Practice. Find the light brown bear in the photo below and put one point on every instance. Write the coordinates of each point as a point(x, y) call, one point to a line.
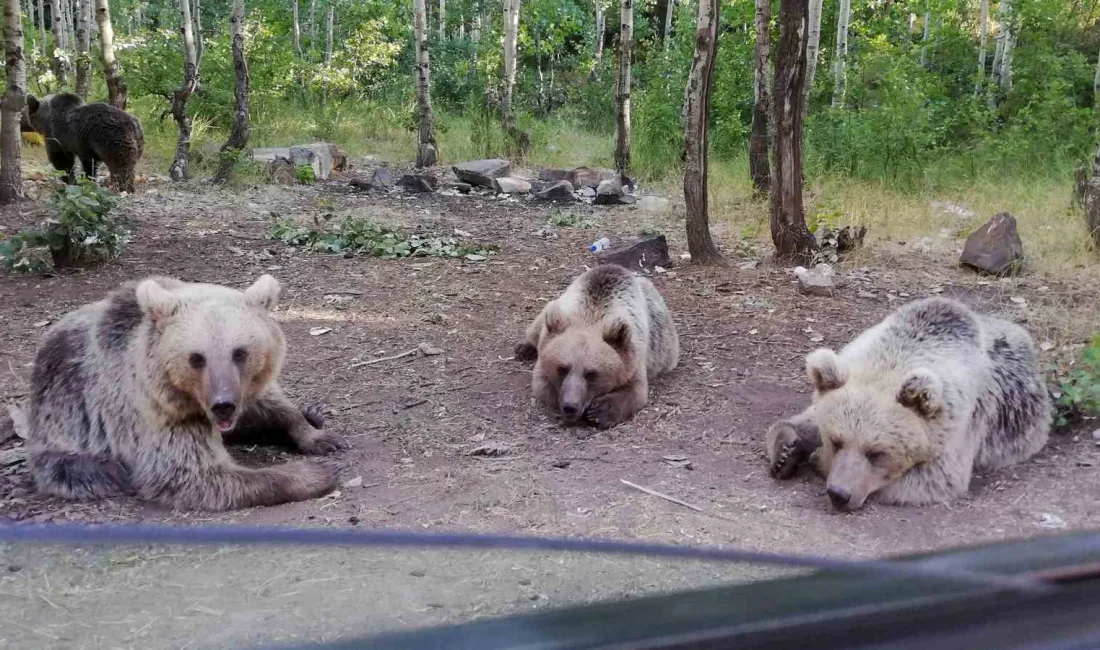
point(598, 346)
point(133, 394)
point(913, 405)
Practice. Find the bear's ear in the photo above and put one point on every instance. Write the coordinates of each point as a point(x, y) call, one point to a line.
point(32, 103)
point(922, 392)
point(263, 293)
point(156, 301)
point(554, 321)
point(826, 370)
point(617, 335)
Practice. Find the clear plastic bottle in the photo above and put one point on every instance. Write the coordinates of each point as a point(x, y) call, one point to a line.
point(600, 244)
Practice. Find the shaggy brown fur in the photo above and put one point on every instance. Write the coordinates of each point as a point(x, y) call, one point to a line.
point(90, 132)
point(133, 394)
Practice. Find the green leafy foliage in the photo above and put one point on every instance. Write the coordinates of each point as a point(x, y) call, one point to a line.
point(366, 237)
point(569, 219)
point(1080, 388)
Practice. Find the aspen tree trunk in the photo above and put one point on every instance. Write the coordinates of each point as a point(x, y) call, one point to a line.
point(840, 89)
point(788, 221)
point(813, 49)
point(511, 32)
point(1009, 28)
point(601, 31)
point(200, 42)
point(696, 113)
point(924, 38)
point(1096, 83)
point(426, 153)
point(179, 170)
point(116, 88)
point(670, 10)
point(238, 136)
point(42, 27)
point(11, 107)
point(297, 30)
point(313, 25)
point(759, 170)
point(57, 63)
point(66, 25)
point(442, 20)
point(983, 42)
point(622, 88)
point(83, 44)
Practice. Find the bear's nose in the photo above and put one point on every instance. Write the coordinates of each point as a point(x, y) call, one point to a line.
point(223, 410)
point(839, 496)
point(569, 409)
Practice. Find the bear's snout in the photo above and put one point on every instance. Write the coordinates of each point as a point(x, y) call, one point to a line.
point(839, 496)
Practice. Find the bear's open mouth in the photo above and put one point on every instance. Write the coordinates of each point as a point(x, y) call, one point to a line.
point(227, 425)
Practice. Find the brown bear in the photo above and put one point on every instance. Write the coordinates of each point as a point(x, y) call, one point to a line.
point(599, 344)
point(133, 394)
point(90, 132)
point(912, 406)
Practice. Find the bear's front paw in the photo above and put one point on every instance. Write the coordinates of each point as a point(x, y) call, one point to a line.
point(322, 444)
point(312, 479)
point(785, 450)
point(315, 415)
point(607, 411)
point(526, 352)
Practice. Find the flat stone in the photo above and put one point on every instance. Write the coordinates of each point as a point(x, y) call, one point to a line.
point(638, 253)
point(610, 192)
point(382, 178)
point(819, 281)
point(560, 191)
point(510, 185)
point(995, 248)
point(418, 183)
point(555, 175)
point(590, 177)
point(482, 172)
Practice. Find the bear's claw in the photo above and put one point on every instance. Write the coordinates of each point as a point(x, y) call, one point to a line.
point(322, 444)
point(315, 415)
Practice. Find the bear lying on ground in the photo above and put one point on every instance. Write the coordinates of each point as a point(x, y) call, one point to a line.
point(90, 132)
point(599, 344)
point(132, 395)
point(909, 408)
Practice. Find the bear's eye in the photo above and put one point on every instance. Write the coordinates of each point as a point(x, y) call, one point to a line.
point(563, 371)
point(837, 444)
point(197, 361)
point(876, 456)
point(240, 355)
point(590, 375)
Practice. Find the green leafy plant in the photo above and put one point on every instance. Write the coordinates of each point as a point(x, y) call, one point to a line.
point(366, 237)
point(569, 219)
point(80, 229)
point(304, 174)
point(1079, 389)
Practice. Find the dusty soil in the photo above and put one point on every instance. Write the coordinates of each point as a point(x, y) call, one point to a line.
point(413, 422)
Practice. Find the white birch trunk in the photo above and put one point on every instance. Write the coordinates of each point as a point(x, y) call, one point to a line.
point(813, 49)
point(242, 128)
point(11, 107)
point(696, 118)
point(297, 29)
point(1009, 27)
point(511, 33)
point(57, 28)
point(759, 167)
point(313, 25)
point(1096, 82)
point(116, 88)
point(181, 161)
point(42, 27)
point(328, 34)
point(840, 89)
point(442, 20)
point(601, 31)
point(200, 42)
point(622, 87)
point(983, 42)
point(83, 43)
point(924, 38)
point(670, 10)
point(427, 154)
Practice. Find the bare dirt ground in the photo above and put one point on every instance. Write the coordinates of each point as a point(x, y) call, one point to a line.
point(413, 422)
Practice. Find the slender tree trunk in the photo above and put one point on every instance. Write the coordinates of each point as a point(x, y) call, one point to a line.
point(1009, 29)
point(42, 27)
point(1096, 84)
point(181, 161)
point(601, 31)
point(313, 25)
point(788, 221)
point(426, 153)
point(840, 89)
point(813, 49)
point(511, 33)
point(238, 136)
point(11, 107)
point(759, 170)
point(329, 26)
point(200, 41)
point(696, 143)
point(66, 25)
point(57, 62)
point(924, 39)
point(297, 30)
point(622, 88)
point(116, 88)
point(983, 42)
point(83, 45)
point(442, 20)
point(670, 10)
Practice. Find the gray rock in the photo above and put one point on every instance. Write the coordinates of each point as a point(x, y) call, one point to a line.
point(589, 177)
point(382, 178)
point(560, 191)
point(586, 192)
point(554, 175)
point(418, 183)
point(749, 265)
point(482, 172)
point(818, 281)
point(323, 157)
point(995, 248)
point(638, 253)
point(654, 204)
point(510, 185)
point(610, 192)
point(462, 188)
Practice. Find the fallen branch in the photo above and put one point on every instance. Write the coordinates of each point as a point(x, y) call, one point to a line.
point(404, 354)
point(661, 495)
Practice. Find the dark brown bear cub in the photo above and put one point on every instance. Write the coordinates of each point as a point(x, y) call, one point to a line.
point(90, 132)
point(133, 395)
